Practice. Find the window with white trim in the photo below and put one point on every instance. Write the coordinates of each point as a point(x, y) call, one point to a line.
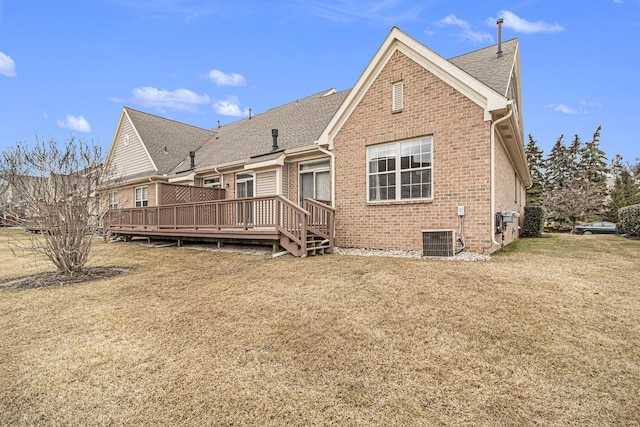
point(314, 181)
point(113, 200)
point(244, 185)
point(213, 182)
point(398, 97)
point(400, 171)
point(141, 196)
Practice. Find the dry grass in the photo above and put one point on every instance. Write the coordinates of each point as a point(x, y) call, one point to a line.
point(546, 333)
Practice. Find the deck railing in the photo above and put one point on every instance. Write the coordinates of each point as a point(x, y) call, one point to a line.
point(277, 212)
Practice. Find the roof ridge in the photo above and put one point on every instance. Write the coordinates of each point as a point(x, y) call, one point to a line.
point(322, 94)
point(315, 95)
point(167, 119)
point(482, 48)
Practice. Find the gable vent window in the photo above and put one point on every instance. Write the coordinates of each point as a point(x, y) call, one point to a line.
point(398, 97)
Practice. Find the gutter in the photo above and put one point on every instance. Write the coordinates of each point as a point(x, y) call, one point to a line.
point(493, 174)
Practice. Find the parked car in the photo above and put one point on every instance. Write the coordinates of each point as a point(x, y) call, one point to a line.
point(597, 228)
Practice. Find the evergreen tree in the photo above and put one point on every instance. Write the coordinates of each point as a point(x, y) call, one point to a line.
point(557, 166)
point(592, 166)
point(573, 152)
point(625, 191)
point(617, 164)
point(635, 168)
point(536, 166)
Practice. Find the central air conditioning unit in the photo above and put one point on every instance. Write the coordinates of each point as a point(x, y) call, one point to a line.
point(438, 243)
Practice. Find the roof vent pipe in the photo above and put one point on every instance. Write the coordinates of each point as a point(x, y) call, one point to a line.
point(192, 154)
point(249, 112)
point(499, 23)
point(274, 135)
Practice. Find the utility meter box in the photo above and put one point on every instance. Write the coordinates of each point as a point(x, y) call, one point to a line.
point(509, 216)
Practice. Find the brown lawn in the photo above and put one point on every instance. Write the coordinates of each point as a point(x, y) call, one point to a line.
point(547, 332)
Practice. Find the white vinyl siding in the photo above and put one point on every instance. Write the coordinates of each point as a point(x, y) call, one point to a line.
point(266, 184)
point(130, 157)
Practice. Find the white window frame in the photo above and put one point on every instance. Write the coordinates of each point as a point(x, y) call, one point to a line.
point(393, 164)
point(113, 199)
point(243, 178)
point(315, 167)
point(212, 182)
point(141, 196)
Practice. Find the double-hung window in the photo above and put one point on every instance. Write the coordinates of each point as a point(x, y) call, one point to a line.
point(400, 171)
point(141, 196)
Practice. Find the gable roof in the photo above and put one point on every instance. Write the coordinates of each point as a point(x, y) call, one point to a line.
point(157, 133)
point(299, 124)
point(476, 90)
point(487, 68)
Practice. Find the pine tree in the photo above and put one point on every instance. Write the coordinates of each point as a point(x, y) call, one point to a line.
point(592, 166)
point(625, 190)
point(573, 152)
point(557, 166)
point(536, 166)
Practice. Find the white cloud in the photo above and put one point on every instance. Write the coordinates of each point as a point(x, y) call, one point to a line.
point(230, 107)
point(79, 124)
point(520, 25)
point(564, 108)
point(222, 79)
point(592, 104)
point(467, 31)
point(161, 99)
point(7, 65)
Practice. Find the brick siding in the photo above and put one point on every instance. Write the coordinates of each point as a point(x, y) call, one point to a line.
point(461, 163)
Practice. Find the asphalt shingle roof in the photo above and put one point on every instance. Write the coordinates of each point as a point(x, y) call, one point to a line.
point(484, 66)
point(299, 124)
point(158, 133)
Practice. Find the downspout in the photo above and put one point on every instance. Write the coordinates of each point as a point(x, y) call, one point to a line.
point(333, 174)
point(221, 178)
point(493, 175)
point(156, 185)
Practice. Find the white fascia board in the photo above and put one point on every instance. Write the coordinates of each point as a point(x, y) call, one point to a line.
point(112, 148)
point(141, 141)
point(188, 177)
point(279, 161)
point(469, 86)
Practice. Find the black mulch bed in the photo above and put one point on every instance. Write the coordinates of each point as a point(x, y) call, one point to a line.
point(53, 279)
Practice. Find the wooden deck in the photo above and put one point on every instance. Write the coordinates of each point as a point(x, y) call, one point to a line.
point(272, 219)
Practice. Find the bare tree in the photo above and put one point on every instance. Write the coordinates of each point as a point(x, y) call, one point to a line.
point(574, 201)
point(56, 187)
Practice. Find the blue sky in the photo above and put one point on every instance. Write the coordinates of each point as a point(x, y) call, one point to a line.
point(68, 67)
